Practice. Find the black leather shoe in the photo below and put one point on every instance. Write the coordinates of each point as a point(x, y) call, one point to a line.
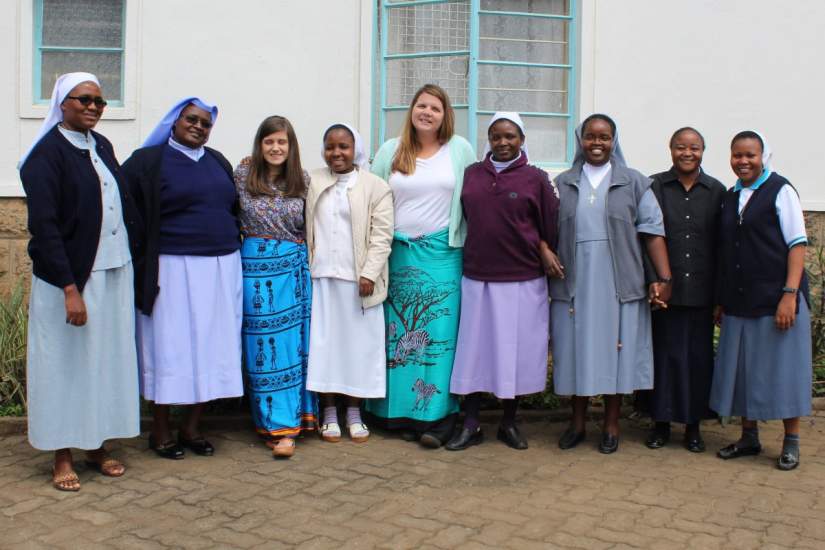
point(694, 443)
point(609, 444)
point(512, 437)
point(787, 461)
point(170, 449)
point(465, 438)
point(198, 445)
point(570, 438)
point(657, 439)
point(732, 451)
point(429, 441)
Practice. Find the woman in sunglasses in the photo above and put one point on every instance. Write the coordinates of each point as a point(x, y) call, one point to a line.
point(188, 275)
point(82, 388)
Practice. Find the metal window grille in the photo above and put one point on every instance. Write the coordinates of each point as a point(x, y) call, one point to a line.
point(489, 55)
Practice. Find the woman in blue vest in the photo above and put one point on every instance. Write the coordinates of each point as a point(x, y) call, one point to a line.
point(188, 279)
point(763, 366)
point(600, 314)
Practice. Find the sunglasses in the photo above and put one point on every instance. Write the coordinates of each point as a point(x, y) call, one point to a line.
point(195, 119)
point(87, 100)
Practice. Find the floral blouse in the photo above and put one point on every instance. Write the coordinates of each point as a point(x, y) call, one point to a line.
point(275, 216)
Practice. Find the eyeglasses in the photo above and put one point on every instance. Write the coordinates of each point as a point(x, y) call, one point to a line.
point(87, 100)
point(195, 119)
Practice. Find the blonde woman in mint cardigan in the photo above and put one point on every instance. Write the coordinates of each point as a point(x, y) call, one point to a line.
point(425, 169)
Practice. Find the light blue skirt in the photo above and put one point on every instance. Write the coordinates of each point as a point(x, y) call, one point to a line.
point(83, 381)
point(761, 372)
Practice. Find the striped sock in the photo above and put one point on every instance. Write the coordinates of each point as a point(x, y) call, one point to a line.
point(353, 416)
point(330, 415)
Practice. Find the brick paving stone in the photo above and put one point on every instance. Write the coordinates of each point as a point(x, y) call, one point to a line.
point(392, 494)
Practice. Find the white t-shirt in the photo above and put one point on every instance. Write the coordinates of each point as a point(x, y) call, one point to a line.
point(422, 199)
point(789, 210)
point(334, 255)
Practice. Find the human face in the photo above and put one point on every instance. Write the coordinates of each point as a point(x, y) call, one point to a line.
point(275, 148)
point(686, 152)
point(505, 140)
point(192, 127)
point(79, 117)
point(339, 150)
point(597, 142)
point(427, 114)
point(746, 160)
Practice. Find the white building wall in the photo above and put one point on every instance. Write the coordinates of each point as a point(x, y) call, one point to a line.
point(655, 65)
point(721, 66)
point(308, 60)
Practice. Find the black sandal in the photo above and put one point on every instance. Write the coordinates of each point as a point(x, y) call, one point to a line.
point(168, 449)
point(197, 445)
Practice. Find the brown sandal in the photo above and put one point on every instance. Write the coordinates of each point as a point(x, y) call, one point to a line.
point(67, 481)
point(284, 448)
point(108, 466)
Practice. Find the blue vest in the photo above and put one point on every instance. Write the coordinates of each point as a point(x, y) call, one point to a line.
point(754, 255)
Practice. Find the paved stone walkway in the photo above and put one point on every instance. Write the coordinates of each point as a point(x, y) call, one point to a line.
point(391, 494)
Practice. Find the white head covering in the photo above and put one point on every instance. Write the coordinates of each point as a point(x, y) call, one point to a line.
point(767, 153)
point(512, 117)
point(163, 130)
point(361, 160)
point(616, 154)
point(64, 84)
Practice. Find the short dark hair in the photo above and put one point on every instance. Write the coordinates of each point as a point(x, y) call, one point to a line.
point(339, 127)
point(600, 116)
point(685, 129)
point(748, 134)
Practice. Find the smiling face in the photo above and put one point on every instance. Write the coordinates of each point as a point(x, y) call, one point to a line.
point(275, 148)
point(339, 150)
point(427, 114)
point(597, 141)
point(686, 151)
point(505, 140)
point(746, 159)
point(76, 116)
point(192, 127)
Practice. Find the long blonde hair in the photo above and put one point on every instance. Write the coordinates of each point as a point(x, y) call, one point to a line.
point(408, 144)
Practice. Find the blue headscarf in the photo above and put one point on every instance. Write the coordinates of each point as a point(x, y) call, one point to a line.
point(163, 130)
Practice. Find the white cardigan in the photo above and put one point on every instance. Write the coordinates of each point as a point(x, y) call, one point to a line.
point(371, 212)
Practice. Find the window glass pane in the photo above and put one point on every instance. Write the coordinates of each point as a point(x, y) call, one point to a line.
point(429, 28)
point(546, 137)
point(105, 65)
point(505, 88)
point(405, 76)
point(395, 121)
point(83, 23)
point(550, 7)
point(530, 39)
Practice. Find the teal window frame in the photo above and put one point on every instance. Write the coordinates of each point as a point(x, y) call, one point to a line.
point(474, 61)
point(39, 49)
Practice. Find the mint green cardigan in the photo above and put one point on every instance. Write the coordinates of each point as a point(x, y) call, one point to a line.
point(461, 155)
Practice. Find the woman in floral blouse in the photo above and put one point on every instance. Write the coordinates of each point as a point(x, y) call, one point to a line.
point(276, 303)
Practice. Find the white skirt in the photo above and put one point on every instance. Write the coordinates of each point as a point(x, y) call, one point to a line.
point(346, 343)
point(82, 381)
point(189, 349)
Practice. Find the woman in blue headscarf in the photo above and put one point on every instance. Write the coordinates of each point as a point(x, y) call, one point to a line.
point(188, 277)
point(600, 314)
point(81, 361)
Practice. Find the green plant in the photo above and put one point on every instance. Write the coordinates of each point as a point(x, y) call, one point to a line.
point(13, 325)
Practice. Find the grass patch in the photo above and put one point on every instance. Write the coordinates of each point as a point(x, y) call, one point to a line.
point(13, 325)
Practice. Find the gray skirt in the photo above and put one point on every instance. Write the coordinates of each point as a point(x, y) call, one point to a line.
point(763, 373)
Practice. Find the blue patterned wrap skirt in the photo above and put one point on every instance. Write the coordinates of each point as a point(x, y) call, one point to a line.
point(276, 308)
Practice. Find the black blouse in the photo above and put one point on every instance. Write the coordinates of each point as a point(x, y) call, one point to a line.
point(692, 234)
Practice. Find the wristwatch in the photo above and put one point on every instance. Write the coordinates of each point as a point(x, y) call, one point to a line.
point(789, 290)
point(665, 280)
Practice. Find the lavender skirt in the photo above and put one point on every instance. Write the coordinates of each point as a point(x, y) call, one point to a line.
point(502, 338)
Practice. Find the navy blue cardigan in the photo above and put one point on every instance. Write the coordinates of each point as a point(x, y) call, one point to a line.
point(141, 172)
point(65, 208)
